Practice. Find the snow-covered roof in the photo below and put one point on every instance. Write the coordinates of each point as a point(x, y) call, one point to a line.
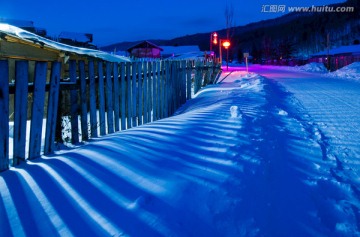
point(79, 37)
point(33, 38)
point(18, 23)
point(190, 56)
point(144, 44)
point(351, 49)
point(176, 50)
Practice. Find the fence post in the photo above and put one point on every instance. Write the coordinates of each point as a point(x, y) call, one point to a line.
point(129, 94)
point(188, 80)
point(83, 101)
point(116, 97)
point(145, 93)
point(183, 82)
point(53, 103)
point(134, 94)
point(174, 91)
point(37, 113)
point(20, 110)
point(150, 84)
point(197, 77)
point(101, 99)
point(140, 93)
point(154, 91)
point(109, 99)
point(4, 118)
point(74, 104)
point(123, 96)
point(92, 95)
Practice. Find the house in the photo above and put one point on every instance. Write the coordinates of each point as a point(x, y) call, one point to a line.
point(25, 25)
point(145, 49)
point(16, 43)
point(338, 57)
point(179, 51)
point(77, 39)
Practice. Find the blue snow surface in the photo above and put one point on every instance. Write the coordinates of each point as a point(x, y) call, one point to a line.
point(270, 153)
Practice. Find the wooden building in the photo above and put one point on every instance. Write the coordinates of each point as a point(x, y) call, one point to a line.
point(77, 39)
point(338, 57)
point(25, 25)
point(180, 51)
point(145, 49)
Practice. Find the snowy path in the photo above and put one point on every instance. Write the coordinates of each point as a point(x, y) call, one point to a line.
point(252, 156)
point(331, 107)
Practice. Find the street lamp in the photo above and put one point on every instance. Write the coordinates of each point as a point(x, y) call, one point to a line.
point(226, 44)
point(213, 39)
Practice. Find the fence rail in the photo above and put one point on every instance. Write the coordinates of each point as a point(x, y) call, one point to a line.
point(100, 96)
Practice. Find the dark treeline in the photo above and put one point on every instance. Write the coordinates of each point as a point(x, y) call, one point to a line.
point(292, 36)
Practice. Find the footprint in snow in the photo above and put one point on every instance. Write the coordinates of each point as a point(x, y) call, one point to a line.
point(235, 112)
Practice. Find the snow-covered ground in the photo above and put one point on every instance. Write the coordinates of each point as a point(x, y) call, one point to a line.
point(311, 67)
point(270, 153)
point(351, 72)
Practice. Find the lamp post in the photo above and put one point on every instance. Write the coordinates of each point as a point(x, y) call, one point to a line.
point(213, 39)
point(226, 44)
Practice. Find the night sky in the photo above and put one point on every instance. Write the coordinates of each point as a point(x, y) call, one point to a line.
point(114, 21)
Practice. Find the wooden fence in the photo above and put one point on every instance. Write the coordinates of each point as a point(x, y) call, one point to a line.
point(105, 97)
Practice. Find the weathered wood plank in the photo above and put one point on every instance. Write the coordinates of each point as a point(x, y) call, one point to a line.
point(140, 93)
point(101, 99)
point(188, 80)
point(20, 110)
point(123, 96)
point(74, 104)
point(145, 93)
point(171, 88)
point(134, 94)
point(116, 97)
point(159, 81)
point(37, 113)
point(4, 118)
point(150, 85)
point(177, 89)
point(129, 94)
point(109, 99)
point(83, 102)
point(167, 88)
point(162, 90)
point(92, 104)
point(26, 51)
point(183, 82)
point(154, 91)
point(53, 103)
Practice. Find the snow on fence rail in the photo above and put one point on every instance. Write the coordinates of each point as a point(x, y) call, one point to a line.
point(104, 97)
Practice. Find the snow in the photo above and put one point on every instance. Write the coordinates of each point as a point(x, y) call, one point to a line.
point(312, 67)
point(273, 152)
point(18, 23)
point(351, 72)
point(190, 56)
point(349, 49)
point(179, 50)
point(76, 36)
point(26, 35)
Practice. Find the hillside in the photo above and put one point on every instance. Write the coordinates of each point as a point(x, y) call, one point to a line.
point(296, 34)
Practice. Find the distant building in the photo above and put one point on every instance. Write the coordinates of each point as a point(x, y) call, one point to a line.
point(25, 25)
point(338, 57)
point(145, 49)
point(77, 39)
point(178, 51)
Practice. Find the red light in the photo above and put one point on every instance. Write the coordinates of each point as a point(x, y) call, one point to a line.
point(226, 44)
point(214, 36)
